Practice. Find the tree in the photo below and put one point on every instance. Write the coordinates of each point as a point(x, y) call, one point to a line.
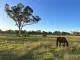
point(21, 15)
point(75, 33)
point(10, 31)
point(56, 32)
point(1, 31)
point(65, 33)
point(44, 33)
point(50, 33)
point(38, 32)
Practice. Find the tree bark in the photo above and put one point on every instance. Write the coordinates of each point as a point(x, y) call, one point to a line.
point(19, 28)
point(19, 31)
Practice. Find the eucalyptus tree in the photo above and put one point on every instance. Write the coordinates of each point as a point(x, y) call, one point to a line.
point(21, 15)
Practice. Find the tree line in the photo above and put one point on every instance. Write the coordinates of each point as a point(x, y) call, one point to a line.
point(39, 32)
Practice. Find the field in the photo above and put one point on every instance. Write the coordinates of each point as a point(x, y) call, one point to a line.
point(38, 48)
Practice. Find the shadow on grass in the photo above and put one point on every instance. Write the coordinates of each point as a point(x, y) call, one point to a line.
point(7, 55)
point(27, 56)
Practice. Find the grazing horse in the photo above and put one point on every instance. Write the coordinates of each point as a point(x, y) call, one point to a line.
point(61, 40)
point(44, 35)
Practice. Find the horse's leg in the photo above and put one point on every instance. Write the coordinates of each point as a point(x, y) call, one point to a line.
point(56, 43)
point(59, 43)
point(64, 44)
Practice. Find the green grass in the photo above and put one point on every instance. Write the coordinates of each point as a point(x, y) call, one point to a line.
point(38, 48)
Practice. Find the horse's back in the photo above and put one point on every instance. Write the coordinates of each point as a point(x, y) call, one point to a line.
point(61, 39)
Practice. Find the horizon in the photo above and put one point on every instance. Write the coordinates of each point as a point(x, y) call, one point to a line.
point(57, 15)
point(43, 30)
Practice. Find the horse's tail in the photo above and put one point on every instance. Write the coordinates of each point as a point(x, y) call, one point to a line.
point(57, 42)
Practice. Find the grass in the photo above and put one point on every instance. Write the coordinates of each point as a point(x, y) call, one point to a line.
point(38, 48)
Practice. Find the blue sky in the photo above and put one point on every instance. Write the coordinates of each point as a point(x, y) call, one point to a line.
point(60, 15)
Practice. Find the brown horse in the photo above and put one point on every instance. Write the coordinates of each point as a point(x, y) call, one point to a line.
point(61, 40)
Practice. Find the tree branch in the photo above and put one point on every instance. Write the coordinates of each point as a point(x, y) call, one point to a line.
point(17, 24)
point(27, 24)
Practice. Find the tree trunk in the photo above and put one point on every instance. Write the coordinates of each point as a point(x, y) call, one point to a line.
point(19, 28)
point(19, 31)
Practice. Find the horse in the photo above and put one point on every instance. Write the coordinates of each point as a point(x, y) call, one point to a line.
point(61, 40)
point(44, 35)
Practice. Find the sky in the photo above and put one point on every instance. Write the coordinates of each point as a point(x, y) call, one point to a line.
point(56, 15)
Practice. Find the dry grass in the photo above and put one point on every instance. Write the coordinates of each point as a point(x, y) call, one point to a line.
point(38, 48)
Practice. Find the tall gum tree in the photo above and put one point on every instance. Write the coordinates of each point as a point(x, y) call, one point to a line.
point(21, 15)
